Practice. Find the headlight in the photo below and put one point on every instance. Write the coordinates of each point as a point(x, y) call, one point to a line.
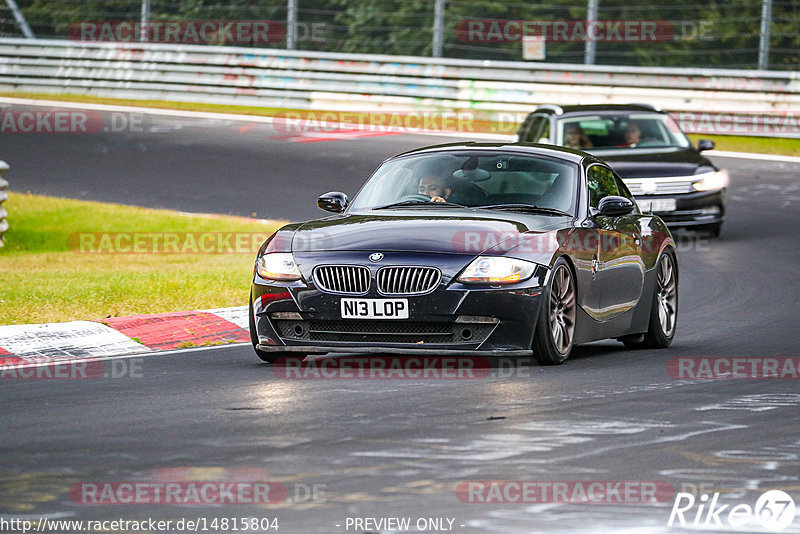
point(278, 266)
point(711, 180)
point(496, 270)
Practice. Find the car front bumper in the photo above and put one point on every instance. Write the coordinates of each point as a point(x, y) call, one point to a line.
point(692, 209)
point(452, 320)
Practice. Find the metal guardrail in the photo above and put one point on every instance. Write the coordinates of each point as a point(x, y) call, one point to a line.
point(318, 80)
point(3, 197)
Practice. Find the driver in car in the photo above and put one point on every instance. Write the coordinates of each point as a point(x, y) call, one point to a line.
point(434, 187)
point(633, 135)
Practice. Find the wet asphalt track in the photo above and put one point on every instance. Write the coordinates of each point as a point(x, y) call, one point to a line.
point(399, 448)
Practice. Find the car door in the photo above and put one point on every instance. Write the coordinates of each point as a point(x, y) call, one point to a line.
point(617, 262)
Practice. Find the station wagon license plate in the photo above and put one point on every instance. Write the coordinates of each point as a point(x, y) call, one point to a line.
point(656, 204)
point(374, 308)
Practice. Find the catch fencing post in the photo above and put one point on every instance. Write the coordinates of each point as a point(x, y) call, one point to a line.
point(3, 196)
point(291, 25)
point(145, 31)
point(23, 24)
point(766, 26)
point(438, 28)
point(591, 18)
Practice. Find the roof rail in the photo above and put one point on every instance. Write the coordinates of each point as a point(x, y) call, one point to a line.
point(651, 106)
point(558, 110)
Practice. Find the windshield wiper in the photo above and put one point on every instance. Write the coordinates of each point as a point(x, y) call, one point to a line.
point(525, 207)
point(420, 203)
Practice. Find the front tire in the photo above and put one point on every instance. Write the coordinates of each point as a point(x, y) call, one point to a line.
point(555, 328)
point(664, 310)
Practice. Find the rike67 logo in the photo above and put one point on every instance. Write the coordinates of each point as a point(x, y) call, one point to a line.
point(774, 511)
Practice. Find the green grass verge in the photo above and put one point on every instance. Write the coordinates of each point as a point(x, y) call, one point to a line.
point(781, 146)
point(50, 275)
point(756, 145)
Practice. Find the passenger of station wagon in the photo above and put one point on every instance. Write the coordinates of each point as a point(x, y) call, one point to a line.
point(575, 137)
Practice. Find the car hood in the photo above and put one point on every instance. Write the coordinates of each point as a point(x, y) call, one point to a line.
point(419, 231)
point(654, 163)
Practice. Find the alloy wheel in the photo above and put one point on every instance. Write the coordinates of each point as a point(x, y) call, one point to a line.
point(562, 309)
point(667, 295)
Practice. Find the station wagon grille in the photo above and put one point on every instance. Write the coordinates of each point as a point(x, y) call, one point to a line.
point(408, 280)
point(675, 185)
point(348, 279)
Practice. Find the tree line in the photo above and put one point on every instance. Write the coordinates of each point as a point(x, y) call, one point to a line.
point(714, 33)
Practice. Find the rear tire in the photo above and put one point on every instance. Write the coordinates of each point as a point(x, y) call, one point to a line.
point(664, 310)
point(555, 328)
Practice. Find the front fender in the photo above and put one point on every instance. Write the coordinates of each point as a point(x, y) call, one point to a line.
point(656, 237)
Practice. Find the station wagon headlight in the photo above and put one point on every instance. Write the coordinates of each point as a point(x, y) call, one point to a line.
point(496, 270)
point(278, 266)
point(711, 180)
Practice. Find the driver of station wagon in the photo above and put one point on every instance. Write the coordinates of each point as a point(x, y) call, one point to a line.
point(633, 135)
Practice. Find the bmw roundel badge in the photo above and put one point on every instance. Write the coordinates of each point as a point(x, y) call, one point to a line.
point(375, 256)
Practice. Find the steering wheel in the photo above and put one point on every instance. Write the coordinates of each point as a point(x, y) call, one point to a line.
point(416, 196)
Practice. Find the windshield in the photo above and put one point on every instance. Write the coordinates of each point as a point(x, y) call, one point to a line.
point(471, 179)
point(631, 131)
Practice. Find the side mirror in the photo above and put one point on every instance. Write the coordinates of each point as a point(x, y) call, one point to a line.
point(613, 206)
point(333, 201)
point(705, 144)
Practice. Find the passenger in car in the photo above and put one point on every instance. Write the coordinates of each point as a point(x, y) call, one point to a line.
point(575, 137)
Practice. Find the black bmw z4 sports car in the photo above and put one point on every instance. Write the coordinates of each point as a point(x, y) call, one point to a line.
point(464, 249)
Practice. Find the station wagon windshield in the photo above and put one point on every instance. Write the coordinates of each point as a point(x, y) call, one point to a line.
point(626, 131)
